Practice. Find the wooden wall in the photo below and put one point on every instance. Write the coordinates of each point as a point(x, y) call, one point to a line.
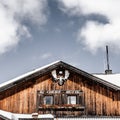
point(99, 99)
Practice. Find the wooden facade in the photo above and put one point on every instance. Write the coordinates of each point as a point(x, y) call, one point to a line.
point(93, 96)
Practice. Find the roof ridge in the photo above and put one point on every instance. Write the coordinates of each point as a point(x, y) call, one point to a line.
point(47, 68)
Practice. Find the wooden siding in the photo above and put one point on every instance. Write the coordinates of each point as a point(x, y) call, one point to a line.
point(99, 100)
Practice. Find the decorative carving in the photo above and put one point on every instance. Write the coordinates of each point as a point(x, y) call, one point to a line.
point(60, 76)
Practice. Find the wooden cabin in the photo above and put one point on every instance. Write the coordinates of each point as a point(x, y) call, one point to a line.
point(61, 90)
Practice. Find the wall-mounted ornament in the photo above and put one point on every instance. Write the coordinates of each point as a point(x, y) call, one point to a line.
point(60, 76)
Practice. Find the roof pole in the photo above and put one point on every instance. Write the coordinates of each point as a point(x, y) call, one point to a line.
point(108, 71)
point(107, 56)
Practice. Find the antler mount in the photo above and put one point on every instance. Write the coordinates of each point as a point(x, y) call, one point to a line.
point(60, 76)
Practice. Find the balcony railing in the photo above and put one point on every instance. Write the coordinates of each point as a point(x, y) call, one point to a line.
point(62, 107)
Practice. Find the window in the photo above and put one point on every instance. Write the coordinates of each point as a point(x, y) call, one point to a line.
point(71, 100)
point(48, 100)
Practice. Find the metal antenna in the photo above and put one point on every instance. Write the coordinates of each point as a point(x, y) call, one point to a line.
point(107, 56)
point(108, 71)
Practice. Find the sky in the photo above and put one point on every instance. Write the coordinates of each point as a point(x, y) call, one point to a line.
point(34, 33)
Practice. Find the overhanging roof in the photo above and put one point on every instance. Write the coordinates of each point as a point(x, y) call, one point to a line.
point(13, 116)
point(45, 69)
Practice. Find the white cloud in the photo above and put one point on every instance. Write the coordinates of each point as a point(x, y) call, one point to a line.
point(46, 55)
point(96, 35)
point(12, 14)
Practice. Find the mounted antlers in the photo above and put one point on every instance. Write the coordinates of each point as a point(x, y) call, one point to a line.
point(61, 77)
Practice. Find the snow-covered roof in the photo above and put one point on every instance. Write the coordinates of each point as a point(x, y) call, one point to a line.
point(6, 115)
point(13, 116)
point(111, 78)
point(27, 74)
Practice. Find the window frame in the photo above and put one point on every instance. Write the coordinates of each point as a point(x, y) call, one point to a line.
point(55, 96)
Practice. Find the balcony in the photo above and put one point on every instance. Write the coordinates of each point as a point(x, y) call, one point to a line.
point(65, 107)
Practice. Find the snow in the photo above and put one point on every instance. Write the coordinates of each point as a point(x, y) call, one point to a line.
point(27, 74)
point(17, 116)
point(111, 78)
point(13, 116)
point(5, 114)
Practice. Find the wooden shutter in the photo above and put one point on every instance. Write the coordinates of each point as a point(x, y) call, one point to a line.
point(41, 99)
point(56, 99)
point(77, 99)
point(64, 98)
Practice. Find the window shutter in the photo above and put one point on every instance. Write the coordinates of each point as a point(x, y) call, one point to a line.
point(41, 99)
point(80, 101)
point(77, 99)
point(64, 98)
point(56, 99)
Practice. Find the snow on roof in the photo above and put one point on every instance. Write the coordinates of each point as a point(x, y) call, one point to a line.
point(5, 114)
point(13, 116)
point(17, 116)
point(111, 78)
point(26, 74)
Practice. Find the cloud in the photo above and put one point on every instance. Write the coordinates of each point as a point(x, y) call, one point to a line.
point(12, 15)
point(46, 55)
point(94, 34)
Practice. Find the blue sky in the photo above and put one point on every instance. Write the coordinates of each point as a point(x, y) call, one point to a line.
point(37, 32)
